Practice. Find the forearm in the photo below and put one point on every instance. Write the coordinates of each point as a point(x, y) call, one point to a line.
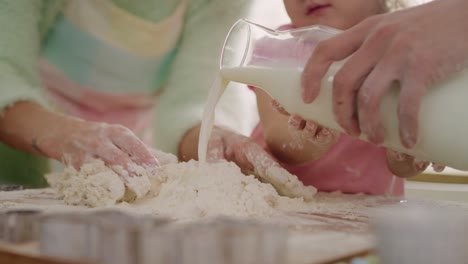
point(188, 147)
point(24, 124)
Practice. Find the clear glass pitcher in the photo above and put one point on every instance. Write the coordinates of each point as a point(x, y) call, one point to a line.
point(274, 60)
point(250, 44)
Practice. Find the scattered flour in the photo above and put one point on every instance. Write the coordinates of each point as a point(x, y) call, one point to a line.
point(192, 190)
point(180, 190)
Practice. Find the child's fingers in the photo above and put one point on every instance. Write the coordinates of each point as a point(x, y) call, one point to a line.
point(437, 167)
point(270, 171)
point(324, 136)
point(398, 156)
point(420, 165)
point(310, 130)
point(278, 107)
point(296, 122)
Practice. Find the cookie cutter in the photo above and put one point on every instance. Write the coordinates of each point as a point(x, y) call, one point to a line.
point(229, 240)
point(107, 237)
point(113, 237)
point(19, 226)
point(66, 235)
point(11, 187)
point(161, 245)
point(251, 241)
point(119, 237)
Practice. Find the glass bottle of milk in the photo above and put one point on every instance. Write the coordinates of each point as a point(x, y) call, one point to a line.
point(274, 60)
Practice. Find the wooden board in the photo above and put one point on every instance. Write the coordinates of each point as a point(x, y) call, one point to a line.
point(15, 257)
point(336, 226)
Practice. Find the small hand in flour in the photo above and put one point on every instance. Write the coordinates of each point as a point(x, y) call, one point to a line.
point(252, 159)
point(84, 141)
point(228, 145)
point(403, 165)
point(276, 105)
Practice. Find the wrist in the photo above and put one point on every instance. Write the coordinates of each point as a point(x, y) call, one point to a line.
point(188, 145)
point(403, 168)
point(55, 133)
point(22, 124)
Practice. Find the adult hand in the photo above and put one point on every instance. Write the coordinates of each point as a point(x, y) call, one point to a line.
point(29, 127)
point(416, 47)
point(80, 141)
point(117, 146)
point(252, 159)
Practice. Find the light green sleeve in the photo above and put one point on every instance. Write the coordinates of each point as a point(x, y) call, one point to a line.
point(19, 49)
point(182, 102)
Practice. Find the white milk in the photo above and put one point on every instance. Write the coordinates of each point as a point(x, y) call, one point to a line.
point(217, 90)
point(443, 126)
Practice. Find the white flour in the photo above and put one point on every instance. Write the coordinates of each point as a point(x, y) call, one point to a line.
point(179, 190)
point(94, 185)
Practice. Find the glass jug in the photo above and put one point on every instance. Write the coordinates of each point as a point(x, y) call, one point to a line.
point(273, 60)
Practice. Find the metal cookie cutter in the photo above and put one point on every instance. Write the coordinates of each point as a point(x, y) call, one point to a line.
point(421, 234)
point(201, 242)
point(66, 235)
point(120, 238)
point(10, 187)
point(108, 237)
point(229, 240)
point(273, 238)
point(19, 226)
point(161, 244)
point(250, 241)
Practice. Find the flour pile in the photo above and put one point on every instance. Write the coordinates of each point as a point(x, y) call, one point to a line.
point(95, 185)
point(180, 190)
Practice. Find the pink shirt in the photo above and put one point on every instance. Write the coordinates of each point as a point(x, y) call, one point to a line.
point(350, 166)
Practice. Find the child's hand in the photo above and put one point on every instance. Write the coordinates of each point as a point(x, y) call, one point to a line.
point(278, 107)
point(252, 159)
point(403, 165)
point(309, 130)
point(82, 141)
point(231, 146)
point(313, 132)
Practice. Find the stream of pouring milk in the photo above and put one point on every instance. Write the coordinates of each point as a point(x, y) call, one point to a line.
point(217, 90)
point(391, 187)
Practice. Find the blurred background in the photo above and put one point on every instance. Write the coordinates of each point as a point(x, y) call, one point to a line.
point(271, 13)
